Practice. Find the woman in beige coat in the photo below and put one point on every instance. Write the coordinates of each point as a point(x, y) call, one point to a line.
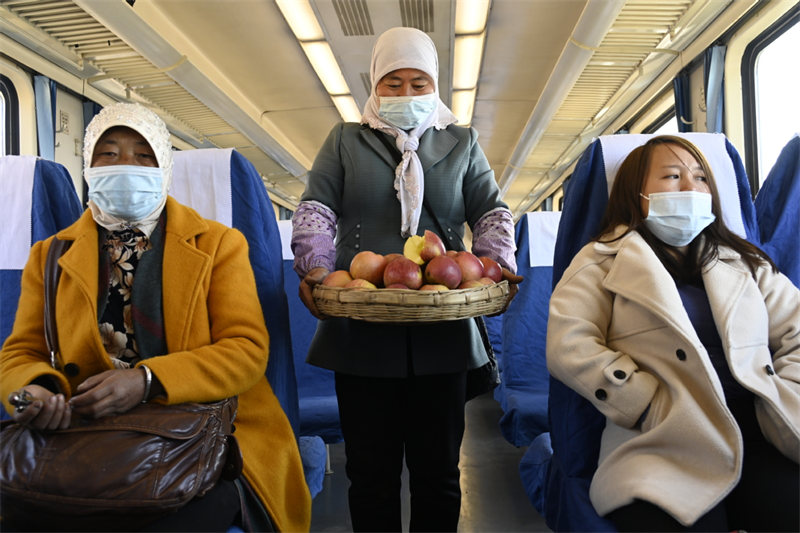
point(687, 339)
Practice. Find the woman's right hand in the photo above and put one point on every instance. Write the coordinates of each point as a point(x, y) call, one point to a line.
point(314, 276)
point(46, 411)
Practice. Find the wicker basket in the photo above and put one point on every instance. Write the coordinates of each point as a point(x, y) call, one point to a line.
point(405, 305)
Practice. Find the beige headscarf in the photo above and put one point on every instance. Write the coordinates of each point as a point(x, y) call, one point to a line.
point(152, 128)
point(395, 49)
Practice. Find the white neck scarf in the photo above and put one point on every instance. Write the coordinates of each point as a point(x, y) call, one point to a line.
point(150, 126)
point(395, 49)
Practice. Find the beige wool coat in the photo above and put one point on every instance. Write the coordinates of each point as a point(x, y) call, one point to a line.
point(618, 334)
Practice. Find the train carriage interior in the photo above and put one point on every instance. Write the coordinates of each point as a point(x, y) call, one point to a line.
point(559, 91)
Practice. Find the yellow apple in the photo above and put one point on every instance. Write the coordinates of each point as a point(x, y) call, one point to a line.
point(423, 248)
point(360, 283)
point(434, 287)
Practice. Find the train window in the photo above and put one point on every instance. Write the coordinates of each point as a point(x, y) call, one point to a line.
point(773, 112)
point(668, 127)
point(9, 117)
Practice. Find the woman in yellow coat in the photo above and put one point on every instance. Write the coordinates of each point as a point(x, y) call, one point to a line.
point(190, 330)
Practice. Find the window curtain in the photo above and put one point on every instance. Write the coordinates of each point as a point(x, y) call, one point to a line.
point(713, 71)
point(44, 90)
point(683, 109)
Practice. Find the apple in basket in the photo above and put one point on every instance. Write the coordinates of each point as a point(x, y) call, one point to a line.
point(443, 270)
point(491, 269)
point(422, 249)
point(434, 287)
point(360, 283)
point(337, 278)
point(369, 266)
point(403, 271)
point(472, 284)
point(471, 267)
point(392, 257)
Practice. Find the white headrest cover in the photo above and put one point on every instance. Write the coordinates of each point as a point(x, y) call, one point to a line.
point(16, 200)
point(201, 179)
point(542, 231)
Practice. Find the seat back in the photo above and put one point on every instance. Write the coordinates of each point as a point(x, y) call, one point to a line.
point(524, 380)
point(38, 200)
point(319, 409)
point(575, 425)
point(222, 185)
point(778, 211)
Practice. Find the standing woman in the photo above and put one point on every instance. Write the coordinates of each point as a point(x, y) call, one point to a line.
point(401, 389)
point(687, 339)
point(155, 304)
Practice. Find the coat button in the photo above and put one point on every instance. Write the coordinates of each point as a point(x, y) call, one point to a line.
point(619, 374)
point(72, 370)
point(769, 370)
point(681, 354)
point(600, 394)
point(358, 226)
point(358, 235)
point(357, 246)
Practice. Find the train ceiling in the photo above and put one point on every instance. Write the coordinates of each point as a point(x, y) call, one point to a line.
point(555, 73)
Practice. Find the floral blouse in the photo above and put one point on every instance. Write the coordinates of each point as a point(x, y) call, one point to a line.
point(124, 249)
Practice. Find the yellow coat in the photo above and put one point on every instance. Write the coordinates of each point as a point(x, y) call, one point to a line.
point(216, 338)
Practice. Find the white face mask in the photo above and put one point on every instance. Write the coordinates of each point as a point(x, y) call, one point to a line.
point(407, 112)
point(129, 192)
point(677, 218)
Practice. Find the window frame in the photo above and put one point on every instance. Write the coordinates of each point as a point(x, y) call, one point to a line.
point(12, 138)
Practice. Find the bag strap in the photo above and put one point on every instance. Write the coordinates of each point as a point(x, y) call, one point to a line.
point(52, 273)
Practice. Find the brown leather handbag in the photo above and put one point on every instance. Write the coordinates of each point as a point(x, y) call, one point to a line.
point(115, 472)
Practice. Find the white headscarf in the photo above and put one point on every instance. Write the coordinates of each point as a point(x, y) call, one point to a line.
point(395, 49)
point(150, 126)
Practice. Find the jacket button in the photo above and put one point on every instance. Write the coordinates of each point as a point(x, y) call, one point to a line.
point(358, 235)
point(358, 226)
point(619, 374)
point(357, 246)
point(600, 394)
point(72, 370)
point(681, 354)
point(769, 370)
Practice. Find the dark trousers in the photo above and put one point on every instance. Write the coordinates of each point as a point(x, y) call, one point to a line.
point(767, 497)
point(383, 419)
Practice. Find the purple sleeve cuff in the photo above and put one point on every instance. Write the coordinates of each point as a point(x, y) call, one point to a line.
point(493, 236)
point(313, 232)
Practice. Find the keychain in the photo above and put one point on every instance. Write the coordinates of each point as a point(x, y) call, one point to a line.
point(21, 400)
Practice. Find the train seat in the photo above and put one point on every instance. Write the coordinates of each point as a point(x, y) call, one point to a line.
point(575, 425)
point(524, 385)
point(232, 193)
point(38, 200)
point(778, 211)
point(319, 410)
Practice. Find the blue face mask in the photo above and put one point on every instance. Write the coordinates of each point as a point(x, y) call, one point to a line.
point(676, 218)
point(407, 112)
point(129, 192)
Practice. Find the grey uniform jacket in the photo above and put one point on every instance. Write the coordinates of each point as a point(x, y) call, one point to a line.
point(619, 335)
point(353, 175)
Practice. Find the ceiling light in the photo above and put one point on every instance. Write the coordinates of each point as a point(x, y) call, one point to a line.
point(301, 19)
point(471, 16)
point(463, 106)
point(326, 67)
point(467, 61)
point(347, 107)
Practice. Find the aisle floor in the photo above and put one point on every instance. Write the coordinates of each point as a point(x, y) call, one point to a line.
point(493, 499)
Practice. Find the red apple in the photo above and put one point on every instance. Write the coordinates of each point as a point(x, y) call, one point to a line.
point(392, 257)
point(337, 278)
point(396, 286)
point(491, 269)
point(405, 271)
point(443, 270)
point(434, 287)
point(471, 266)
point(422, 249)
point(369, 266)
point(451, 253)
point(472, 283)
point(360, 283)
